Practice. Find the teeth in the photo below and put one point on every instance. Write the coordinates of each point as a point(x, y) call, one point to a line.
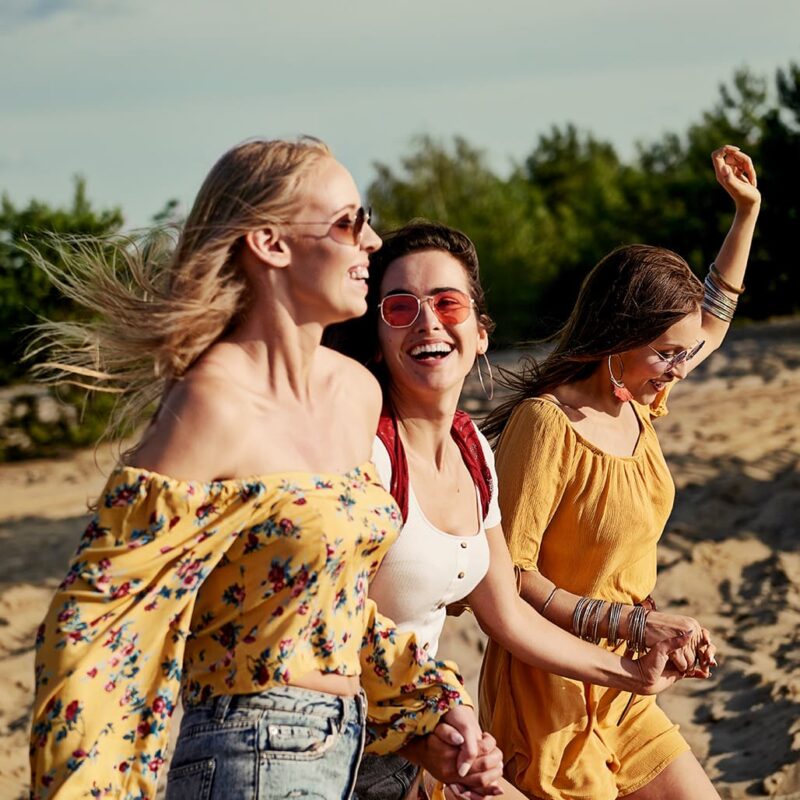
point(358, 273)
point(437, 347)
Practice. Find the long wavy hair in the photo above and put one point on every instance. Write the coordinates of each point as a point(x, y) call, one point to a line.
point(630, 298)
point(358, 338)
point(158, 299)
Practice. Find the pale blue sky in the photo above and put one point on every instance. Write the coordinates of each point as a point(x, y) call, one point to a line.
point(142, 96)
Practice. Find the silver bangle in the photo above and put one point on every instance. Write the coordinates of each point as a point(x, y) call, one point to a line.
point(637, 629)
point(716, 302)
point(577, 613)
point(614, 616)
point(549, 598)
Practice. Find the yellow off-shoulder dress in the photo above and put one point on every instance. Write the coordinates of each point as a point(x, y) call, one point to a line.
point(589, 521)
point(229, 587)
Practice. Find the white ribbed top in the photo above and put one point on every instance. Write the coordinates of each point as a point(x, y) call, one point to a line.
point(427, 568)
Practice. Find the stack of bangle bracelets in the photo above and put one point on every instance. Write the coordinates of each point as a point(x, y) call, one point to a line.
point(590, 611)
point(586, 618)
point(715, 301)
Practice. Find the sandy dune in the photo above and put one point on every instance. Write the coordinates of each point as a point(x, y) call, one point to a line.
point(730, 557)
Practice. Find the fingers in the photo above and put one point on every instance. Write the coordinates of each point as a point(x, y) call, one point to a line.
point(487, 769)
point(683, 659)
point(463, 719)
point(448, 734)
point(731, 165)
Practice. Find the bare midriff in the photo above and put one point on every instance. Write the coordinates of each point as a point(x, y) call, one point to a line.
point(344, 685)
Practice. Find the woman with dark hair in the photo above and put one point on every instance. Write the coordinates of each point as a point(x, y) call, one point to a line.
point(425, 328)
point(585, 495)
point(230, 552)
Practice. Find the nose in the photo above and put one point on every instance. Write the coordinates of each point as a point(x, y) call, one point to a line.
point(427, 319)
point(370, 241)
point(679, 371)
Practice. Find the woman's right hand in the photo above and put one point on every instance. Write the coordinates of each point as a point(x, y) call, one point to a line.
point(697, 653)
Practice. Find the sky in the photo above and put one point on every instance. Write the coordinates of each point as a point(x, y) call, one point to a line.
point(141, 97)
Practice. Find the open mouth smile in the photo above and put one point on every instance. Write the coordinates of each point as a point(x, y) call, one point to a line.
point(430, 352)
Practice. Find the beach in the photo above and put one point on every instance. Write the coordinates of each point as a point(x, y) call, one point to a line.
point(729, 557)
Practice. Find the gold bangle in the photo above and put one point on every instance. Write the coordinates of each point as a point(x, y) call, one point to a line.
point(722, 282)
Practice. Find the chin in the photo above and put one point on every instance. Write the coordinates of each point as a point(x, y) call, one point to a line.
point(645, 396)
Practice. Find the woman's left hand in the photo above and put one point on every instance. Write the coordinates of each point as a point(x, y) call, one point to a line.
point(736, 174)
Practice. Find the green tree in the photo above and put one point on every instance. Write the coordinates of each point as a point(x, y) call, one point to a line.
point(26, 294)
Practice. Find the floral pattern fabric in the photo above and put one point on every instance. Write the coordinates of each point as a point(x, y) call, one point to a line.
point(228, 587)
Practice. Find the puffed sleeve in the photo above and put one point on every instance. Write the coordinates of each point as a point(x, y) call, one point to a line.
point(533, 463)
point(110, 649)
point(407, 691)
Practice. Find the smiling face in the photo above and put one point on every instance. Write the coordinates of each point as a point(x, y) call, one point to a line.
point(645, 371)
point(429, 358)
point(328, 274)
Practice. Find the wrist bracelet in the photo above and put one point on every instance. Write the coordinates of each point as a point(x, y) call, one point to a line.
point(549, 598)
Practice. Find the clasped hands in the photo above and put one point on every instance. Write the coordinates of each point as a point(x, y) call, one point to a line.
point(460, 755)
point(679, 647)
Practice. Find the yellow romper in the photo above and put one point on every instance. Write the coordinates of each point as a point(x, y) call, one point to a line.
point(229, 587)
point(589, 521)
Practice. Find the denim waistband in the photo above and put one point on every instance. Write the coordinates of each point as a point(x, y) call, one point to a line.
point(286, 698)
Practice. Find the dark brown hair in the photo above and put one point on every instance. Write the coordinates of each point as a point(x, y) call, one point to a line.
point(358, 338)
point(629, 299)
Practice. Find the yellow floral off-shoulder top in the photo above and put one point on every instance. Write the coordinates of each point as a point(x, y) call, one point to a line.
point(227, 587)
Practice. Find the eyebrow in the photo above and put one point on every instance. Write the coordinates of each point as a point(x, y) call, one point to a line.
point(673, 346)
point(435, 290)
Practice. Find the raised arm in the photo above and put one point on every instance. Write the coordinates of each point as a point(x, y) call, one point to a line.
point(736, 174)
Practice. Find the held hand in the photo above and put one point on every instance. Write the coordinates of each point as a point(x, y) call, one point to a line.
point(656, 672)
point(698, 652)
point(736, 174)
point(438, 753)
point(463, 720)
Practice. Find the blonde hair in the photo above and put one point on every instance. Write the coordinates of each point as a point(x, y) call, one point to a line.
point(158, 304)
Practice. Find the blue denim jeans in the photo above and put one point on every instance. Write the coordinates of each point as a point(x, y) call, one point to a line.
point(384, 778)
point(285, 742)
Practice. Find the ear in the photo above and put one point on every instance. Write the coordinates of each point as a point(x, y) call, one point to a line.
point(269, 247)
point(483, 340)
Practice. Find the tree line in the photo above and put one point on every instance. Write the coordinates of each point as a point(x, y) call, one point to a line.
point(539, 228)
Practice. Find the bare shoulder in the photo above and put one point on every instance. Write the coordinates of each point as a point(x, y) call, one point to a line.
point(196, 431)
point(355, 393)
point(354, 380)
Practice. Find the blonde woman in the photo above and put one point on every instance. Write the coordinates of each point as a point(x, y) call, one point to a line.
point(231, 550)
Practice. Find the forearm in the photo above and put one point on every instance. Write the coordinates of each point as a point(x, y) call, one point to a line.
point(537, 590)
point(731, 264)
point(536, 641)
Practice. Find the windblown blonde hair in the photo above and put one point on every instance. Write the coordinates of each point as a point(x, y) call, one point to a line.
point(158, 304)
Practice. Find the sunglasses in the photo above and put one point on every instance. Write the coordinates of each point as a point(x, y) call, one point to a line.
point(670, 362)
point(450, 306)
point(345, 230)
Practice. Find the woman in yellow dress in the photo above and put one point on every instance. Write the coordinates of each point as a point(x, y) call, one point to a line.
point(231, 551)
point(585, 494)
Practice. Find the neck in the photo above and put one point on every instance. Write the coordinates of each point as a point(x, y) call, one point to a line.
point(280, 350)
point(595, 392)
point(425, 423)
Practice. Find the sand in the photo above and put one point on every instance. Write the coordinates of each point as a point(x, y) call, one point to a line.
point(729, 556)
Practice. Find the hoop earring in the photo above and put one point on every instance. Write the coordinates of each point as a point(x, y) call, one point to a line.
point(619, 390)
point(490, 393)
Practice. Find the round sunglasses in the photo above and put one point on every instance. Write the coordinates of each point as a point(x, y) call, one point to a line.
point(670, 362)
point(450, 306)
